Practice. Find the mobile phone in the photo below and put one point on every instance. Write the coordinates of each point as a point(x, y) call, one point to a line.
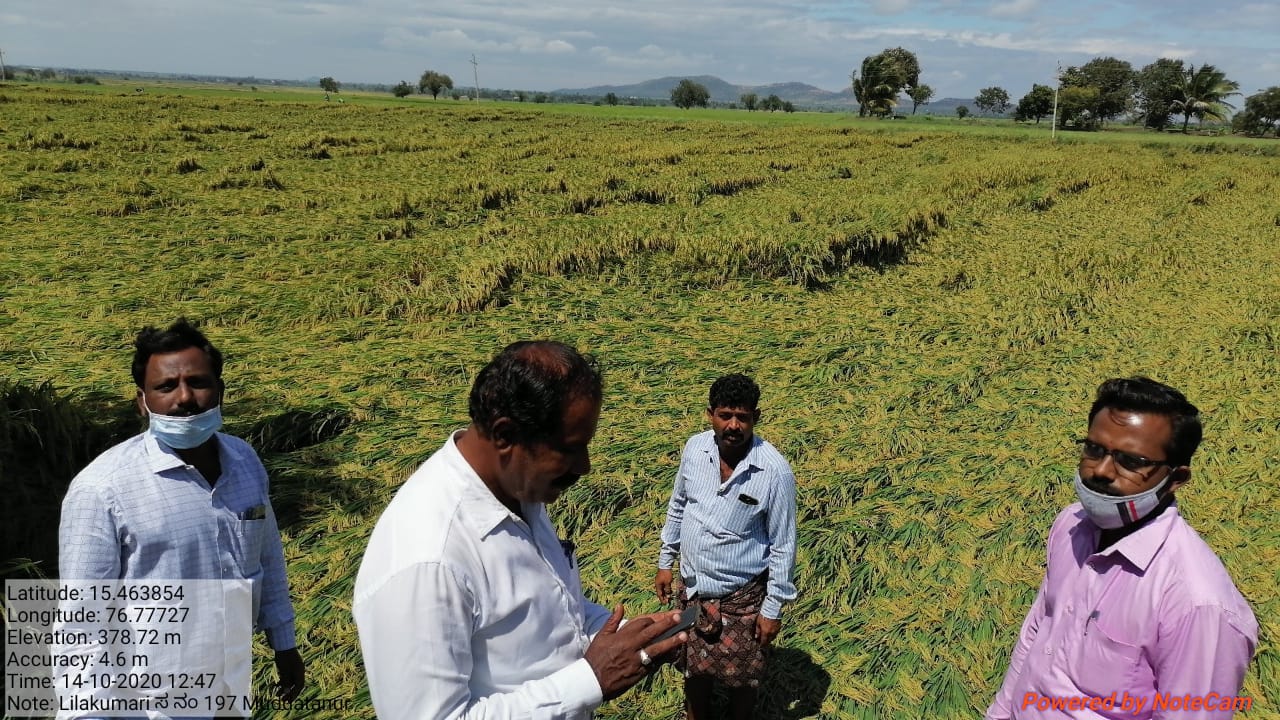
point(687, 618)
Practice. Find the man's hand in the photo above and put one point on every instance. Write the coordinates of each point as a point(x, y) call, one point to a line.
point(662, 585)
point(292, 672)
point(614, 655)
point(766, 630)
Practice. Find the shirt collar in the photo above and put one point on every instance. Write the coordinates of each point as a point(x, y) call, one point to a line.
point(161, 457)
point(483, 511)
point(1140, 546)
point(749, 461)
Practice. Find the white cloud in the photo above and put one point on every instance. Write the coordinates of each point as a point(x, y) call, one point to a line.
point(1014, 8)
point(652, 58)
point(557, 47)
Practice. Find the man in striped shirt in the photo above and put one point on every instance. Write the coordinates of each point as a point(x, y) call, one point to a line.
point(732, 522)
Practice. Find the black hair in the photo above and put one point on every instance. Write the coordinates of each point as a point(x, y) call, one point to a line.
point(532, 383)
point(734, 391)
point(1144, 395)
point(178, 336)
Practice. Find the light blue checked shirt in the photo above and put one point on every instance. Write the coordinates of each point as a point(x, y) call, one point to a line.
point(722, 538)
point(138, 512)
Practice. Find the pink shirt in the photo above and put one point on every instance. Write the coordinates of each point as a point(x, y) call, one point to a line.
point(1152, 623)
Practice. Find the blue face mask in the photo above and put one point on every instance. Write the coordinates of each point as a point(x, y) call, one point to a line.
point(184, 433)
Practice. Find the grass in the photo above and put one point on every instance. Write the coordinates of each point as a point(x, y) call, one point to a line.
point(928, 308)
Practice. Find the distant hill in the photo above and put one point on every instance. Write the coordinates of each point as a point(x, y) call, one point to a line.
point(723, 92)
point(802, 94)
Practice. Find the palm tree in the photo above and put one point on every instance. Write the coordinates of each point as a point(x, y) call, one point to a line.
point(883, 76)
point(1203, 92)
point(874, 95)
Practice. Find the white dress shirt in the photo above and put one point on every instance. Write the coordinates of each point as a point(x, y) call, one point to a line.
point(466, 611)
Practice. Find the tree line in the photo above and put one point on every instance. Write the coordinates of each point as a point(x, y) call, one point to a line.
point(1102, 90)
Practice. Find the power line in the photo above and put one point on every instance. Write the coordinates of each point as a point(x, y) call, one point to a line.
point(475, 68)
point(1053, 132)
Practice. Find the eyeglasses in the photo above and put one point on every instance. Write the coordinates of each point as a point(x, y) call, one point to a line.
point(1133, 463)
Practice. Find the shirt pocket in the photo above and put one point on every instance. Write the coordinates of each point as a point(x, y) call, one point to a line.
point(739, 515)
point(1103, 662)
point(249, 536)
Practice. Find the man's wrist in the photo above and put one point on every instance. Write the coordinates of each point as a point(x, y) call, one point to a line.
point(282, 637)
point(771, 609)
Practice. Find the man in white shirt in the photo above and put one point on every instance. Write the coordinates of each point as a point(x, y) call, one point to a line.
point(467, 604)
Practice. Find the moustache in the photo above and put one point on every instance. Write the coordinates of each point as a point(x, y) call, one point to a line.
point(1099, 486)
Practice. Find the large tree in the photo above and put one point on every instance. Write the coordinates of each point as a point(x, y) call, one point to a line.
point(689, 93)
point(1158, 87)
point(433, 82)
point(920, 95)
point(329, 85)
point(1035, 104)
point(749, 100)
point(992, 100)
point(1076, 106)
point(1203, 93)
point(882, 77)
point(1114, 80)
point(1261, 113)
point(402, 90)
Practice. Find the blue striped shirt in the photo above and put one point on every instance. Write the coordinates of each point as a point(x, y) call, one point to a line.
point(724, 539)
point(139, 512)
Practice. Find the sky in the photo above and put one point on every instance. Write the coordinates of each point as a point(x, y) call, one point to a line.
point(963, 45)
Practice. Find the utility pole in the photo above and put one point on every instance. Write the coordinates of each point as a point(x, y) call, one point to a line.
point(1053, 133)
point(3, 73)
point(475, 68)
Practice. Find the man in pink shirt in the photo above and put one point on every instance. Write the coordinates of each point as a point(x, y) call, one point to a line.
point(1136, 616)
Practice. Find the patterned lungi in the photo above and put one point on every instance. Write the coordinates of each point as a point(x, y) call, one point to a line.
point(722, 644)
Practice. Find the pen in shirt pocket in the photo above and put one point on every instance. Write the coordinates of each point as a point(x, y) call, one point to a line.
point(257, 512)
point(1092, 616)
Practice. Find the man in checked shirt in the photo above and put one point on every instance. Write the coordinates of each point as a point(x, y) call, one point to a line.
point(732, 522)
point(1134, 608)
point(182, 501)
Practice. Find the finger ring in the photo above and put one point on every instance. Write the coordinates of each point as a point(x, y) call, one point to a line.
point(644, 658)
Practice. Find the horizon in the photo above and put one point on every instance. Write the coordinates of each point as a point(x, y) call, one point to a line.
point(309, 82)
point(963, 45)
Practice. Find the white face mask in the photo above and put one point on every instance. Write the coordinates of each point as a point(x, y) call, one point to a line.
point(1111, 511)
point(184, 433)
